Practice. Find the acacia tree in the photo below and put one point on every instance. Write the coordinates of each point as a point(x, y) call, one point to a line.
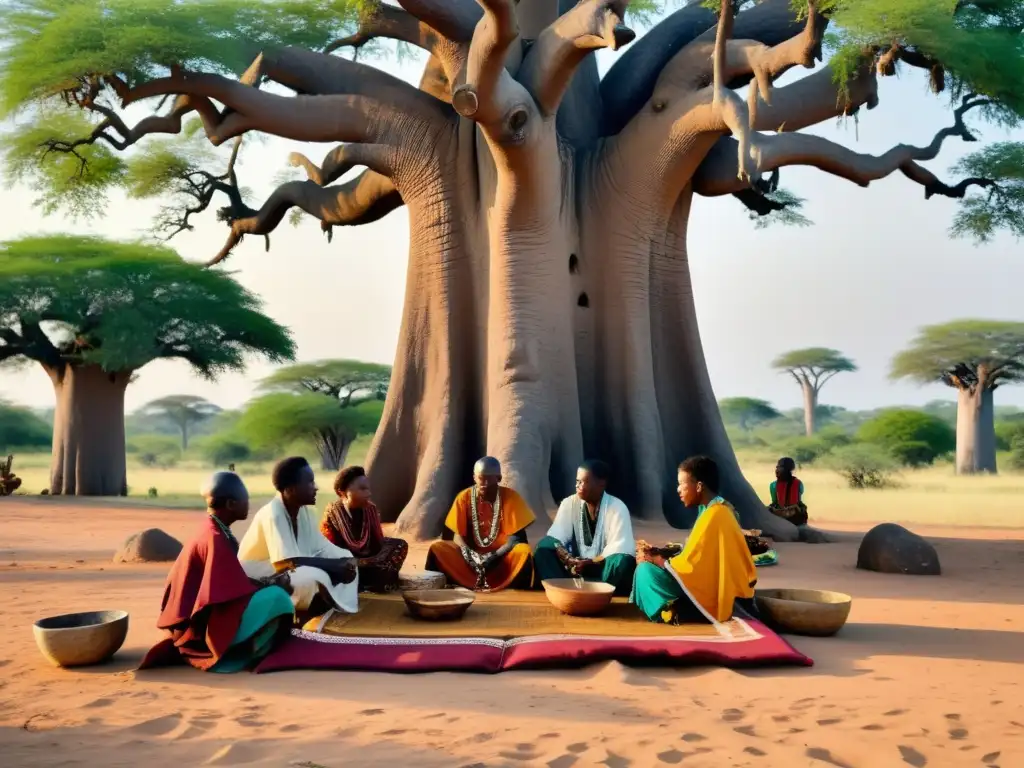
point(812, 368)
point(747, 411)
point(92, 313)
point(280, 418)
point(340, 384)
point(183, 411)
point(975, 357)
point(549, 312)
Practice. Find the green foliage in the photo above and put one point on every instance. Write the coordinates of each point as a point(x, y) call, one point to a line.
point(913, 453)
point(183, 411)
point(21, 428)
point(978, 42)
point(1017, 453)
point(863, 465)
point(155, 450)
point(790, 216)
point(74, 183)
point(50, 44)
point(952, 353)
point(223, 448)
point(350, 382)
point(281, 417)
point(747, 412)
point(988, 210)
point(121, 305)
point(916, 436)
point(814, 360)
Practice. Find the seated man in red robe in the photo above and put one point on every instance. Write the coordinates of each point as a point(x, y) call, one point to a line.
point(216, 618)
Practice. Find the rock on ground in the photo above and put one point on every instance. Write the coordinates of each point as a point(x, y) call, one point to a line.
point(149, 546)
point(891, 548)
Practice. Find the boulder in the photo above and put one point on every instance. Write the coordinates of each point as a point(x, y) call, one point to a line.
point(891, 548)
point(150, 546)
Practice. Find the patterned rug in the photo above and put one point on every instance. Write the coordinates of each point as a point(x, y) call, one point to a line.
point(519, 630)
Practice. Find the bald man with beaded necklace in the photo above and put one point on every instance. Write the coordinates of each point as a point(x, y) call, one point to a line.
point(489, 550)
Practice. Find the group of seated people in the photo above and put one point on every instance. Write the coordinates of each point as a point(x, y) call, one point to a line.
point(227, 602)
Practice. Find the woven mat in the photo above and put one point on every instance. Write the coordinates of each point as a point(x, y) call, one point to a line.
point(512, 614)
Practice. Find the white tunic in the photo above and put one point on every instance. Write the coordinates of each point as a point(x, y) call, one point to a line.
point(613, 530)
point(271, 539)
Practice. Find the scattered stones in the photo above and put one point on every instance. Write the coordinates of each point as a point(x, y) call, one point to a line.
point(891, 548)
point(149, 546)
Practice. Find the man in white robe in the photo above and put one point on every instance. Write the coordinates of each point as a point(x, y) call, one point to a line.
point(591, 537)
point(285, 535)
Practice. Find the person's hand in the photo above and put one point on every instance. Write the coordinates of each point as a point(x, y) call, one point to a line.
point(489, 562)
point(577, 564)
point(347, 570)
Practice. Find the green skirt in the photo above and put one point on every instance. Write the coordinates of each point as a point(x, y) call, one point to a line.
point(269, 609)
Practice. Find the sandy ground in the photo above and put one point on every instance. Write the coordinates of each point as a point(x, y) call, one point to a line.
point(928, 672)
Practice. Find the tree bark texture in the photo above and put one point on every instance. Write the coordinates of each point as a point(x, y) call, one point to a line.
point(975, 431)
point(88, 456)
point(810, 407)
point(549, 312)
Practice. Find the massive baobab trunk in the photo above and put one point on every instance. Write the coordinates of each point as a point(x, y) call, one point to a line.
point(810, 395)
point(88, 432)
point(549, 312)
point(975, 430)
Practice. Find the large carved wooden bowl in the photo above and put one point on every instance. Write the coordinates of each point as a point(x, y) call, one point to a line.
point(586, 599)
point(438, 604)
point(813, 612)
point(81, 639)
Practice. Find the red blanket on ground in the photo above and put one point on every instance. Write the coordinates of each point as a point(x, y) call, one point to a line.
point(206, 594)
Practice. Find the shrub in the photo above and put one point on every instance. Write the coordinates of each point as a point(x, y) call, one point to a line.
point(153, 493)
point(863, 465)
point(21, 428)
point(899, 427)
point(224, 448)
point(155, 450)
point(913, 453)
point(1016, 460)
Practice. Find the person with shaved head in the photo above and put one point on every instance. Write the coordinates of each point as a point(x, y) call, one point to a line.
point(488, 522)
point(217, 618)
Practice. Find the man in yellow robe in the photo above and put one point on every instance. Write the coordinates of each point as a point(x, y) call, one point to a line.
point(714, 570)
point(489, 550)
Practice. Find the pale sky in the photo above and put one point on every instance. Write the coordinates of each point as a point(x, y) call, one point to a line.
point(877, 265)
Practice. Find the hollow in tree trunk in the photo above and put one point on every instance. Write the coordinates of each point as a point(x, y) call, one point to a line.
point(88, 456)
point(975, 431)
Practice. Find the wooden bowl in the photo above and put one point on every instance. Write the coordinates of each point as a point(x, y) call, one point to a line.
point(438, 604)
point(589, 599)
point(813, 612)
point(80, 639)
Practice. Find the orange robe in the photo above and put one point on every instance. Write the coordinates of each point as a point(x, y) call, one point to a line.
point(516, 566)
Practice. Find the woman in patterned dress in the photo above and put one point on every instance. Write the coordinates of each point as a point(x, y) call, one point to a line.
point(353, 522)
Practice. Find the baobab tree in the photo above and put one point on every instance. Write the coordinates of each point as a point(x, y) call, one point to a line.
point(975, 357)
point(812, 368)
point(92, 313)
point(549, 311)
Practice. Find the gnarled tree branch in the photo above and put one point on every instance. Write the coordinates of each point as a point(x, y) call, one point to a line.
point(485, 95)
point(553, 59)
point(302, 118)
point(720, 173)
point(455, 19)
point(363, 200)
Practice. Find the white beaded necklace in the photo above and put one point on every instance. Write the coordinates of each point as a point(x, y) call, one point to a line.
point(481, 540)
